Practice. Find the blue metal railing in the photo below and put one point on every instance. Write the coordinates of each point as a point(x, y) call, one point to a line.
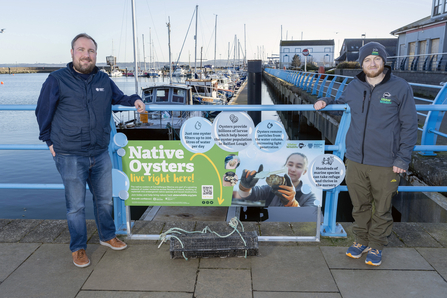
point(310, 82)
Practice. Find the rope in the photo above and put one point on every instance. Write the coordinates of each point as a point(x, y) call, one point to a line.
point(234, 222)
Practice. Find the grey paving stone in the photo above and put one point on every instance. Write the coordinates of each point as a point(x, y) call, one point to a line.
point(12, 255)
point(49, 272)
point(186, 225)
point(276, 229)
point(143, 268)
point(437, 231)
point(389, 283)
point(394, 241)
point(226, 263)
point(290, 269)
point(413, 235)
point(344, 241)
point(223, 283)
point(392, 259)
point(4, 222)
point(17, 229)
point(144, 228)
point(122, 294)
point(294, 295)
point(64, 236)
point(45, 232)
point(437, 257)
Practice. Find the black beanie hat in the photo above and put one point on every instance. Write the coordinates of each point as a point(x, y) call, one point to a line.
point(372, 48)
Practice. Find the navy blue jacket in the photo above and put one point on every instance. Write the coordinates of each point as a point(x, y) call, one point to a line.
point(74, 110)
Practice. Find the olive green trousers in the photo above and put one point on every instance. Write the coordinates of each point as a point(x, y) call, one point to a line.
point(370, 186)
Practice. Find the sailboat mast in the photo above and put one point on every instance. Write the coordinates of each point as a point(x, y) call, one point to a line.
point(215, 41)
point(144, 56)
point(195, 37)
point(169, 48)
point(134, 28)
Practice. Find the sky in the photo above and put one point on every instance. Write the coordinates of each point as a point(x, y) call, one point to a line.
point(41, 31)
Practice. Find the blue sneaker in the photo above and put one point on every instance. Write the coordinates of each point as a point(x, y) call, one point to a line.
point(356, 250)
point(374, 257)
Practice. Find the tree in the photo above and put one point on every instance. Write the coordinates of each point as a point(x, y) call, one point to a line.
point(296, 61)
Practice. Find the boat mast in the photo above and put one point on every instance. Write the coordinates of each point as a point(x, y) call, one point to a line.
point(169, 47)
point(150, 51)
point(134, 28)
point(195, 37)
point(144, 56)
point(215, 41)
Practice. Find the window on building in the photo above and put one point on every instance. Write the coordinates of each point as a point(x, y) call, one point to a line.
point(434, 48)
point(437, 7)
point(445, 6)
point(422, 48)
point(298, 50)
point(286, 50)
point(286, 58)
point(327, 50)
point(411, 51)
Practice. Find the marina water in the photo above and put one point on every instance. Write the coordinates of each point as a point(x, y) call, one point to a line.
point(37, 166)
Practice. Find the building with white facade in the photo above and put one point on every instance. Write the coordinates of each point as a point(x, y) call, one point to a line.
point(321, 52)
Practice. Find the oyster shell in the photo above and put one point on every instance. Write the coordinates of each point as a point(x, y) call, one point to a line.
point(275, 180)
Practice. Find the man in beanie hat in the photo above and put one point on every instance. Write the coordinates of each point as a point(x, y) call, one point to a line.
point(379, 144)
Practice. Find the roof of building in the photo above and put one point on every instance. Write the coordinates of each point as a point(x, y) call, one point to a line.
point(354, 44)
point(320, 42)
point(427, 21)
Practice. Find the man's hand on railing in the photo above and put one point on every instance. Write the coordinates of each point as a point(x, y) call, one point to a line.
point(319, 105)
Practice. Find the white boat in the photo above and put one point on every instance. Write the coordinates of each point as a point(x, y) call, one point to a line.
point(116, 73)
point(179, 72)
point(205, 91)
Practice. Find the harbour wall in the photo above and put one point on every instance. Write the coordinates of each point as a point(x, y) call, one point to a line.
point(14, 70)
point(423, 171)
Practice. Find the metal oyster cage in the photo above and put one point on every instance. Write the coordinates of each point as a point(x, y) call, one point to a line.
point(209, 245)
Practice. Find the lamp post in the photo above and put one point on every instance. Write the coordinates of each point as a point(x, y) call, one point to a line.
point(363, 41)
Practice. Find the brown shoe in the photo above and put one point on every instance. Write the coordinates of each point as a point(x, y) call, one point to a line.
point(80, 258)
point(114, 244)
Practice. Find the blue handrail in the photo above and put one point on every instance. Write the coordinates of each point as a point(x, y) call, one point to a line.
point(329, 226)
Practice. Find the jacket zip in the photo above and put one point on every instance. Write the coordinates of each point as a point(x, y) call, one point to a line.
point(366, 120)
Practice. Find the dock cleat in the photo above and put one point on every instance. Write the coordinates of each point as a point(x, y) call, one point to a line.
point(374, 257)
point(356, 250)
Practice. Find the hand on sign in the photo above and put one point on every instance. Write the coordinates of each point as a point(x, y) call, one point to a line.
point(286, 193)
point(248, 179)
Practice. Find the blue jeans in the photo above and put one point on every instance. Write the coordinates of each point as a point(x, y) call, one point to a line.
point(77, 171)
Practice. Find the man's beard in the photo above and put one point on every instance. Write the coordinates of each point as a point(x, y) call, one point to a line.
point(376, 73)
point(84, 69)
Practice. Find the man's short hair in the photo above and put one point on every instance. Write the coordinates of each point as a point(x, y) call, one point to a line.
point(83, 35)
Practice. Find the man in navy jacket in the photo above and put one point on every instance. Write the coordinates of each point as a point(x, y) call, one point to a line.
point(73, 112)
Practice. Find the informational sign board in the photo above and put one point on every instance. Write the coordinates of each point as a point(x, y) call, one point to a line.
point(206, 167)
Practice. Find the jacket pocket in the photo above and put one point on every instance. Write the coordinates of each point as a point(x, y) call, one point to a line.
point(68, 139)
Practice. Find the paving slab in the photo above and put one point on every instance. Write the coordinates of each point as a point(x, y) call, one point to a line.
point(392, 259)
point(389, 283)
point(437, 257)
point(17, 229)
point(413, 235)
point(143, 268)
point(4, 222)
point(294, 295)
point(226, 263)
point(223, 283)
point(45, 232)
point(122, 294)
point(12, 255)
point(291, 269)
point(437, 231)
point(64, 236)
point(49, 272)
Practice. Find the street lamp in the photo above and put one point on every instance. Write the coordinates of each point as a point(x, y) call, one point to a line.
point(363, 41)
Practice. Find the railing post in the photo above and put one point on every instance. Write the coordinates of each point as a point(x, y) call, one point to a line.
point(433, 122)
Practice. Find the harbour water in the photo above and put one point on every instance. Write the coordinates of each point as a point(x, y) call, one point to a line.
point(37, 166)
